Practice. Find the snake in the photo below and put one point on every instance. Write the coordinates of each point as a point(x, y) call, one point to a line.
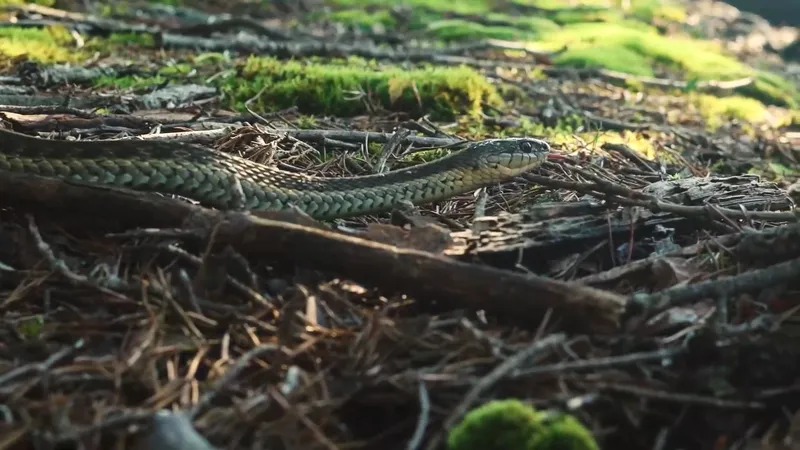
point(225, 181)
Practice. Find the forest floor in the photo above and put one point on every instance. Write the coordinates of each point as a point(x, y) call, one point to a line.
point(645, 283)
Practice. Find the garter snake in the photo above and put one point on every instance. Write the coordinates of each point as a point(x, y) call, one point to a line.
point(225, 181)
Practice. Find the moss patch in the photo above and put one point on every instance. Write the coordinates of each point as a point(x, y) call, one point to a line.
point(511, 424)
point(507, 28)
point(55, 44)
point(703, 61)
point(48, 44)
point(596, 36)
point(594, 33)
point(655, 10)
point(612, 57)
point(361, 18)
point(457, 29)
point(639, 52)
point(585, 15)
point(645, 10)
point(716, 111)
point(772, 89)
point(347, 90)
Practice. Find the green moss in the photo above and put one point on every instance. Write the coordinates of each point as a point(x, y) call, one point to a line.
point(606, 56)
point(31, 327)
point(583, 15)
point(537, 25)
point(583, 11)
point(703, 60)
point(772, 89)
point(513, 425)
point(426, 155)
point(620, 40)
point(564, 432)
point(306, 122)
point(718, 110)
point(362, 18)
point(456, 29)
point(515, 28)
point(346, 89)
point(49, 44)
point(561, 11)
point(652, 10)
point(638, 51)
point(505, 425)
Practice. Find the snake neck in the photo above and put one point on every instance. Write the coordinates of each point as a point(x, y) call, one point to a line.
point(445, 168)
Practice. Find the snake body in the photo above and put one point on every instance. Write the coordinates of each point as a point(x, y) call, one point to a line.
point(225, 181)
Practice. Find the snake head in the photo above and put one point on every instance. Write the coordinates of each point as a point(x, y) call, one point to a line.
point(509, 157)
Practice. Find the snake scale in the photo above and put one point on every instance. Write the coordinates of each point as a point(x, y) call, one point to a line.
point(225, 181)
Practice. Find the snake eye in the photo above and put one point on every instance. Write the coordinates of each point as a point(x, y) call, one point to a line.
point(526, 146)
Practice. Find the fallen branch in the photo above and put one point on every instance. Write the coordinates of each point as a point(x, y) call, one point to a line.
point(524, 299)
point(770, 245)
point(622, 195)
point(722, 288)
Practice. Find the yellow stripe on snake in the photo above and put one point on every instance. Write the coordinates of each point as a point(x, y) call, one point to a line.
point(213, 178)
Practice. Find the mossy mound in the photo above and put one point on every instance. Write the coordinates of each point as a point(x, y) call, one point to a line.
point(353, 87)
point(594, 35)
point(48, 44)
point(507, 425)
point(513, 425)
point(641, 52)
point(55, 44)
point(696, 58)
point(361, 18)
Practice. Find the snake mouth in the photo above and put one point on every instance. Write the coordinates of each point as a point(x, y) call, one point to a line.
point(518, 167)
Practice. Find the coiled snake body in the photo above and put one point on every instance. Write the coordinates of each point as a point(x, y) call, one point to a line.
point(213, 178)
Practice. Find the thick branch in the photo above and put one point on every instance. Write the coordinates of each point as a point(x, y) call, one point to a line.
point(426, 276)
